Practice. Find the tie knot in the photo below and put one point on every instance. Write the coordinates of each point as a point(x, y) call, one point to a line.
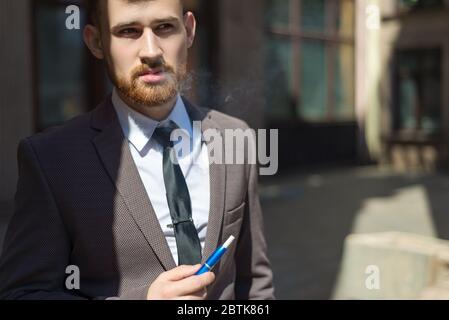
point(162, 134)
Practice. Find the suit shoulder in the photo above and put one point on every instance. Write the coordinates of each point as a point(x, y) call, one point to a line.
point(226, 121)
point(72, 130)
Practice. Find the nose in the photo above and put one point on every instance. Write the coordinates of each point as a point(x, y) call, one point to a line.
point(150, 49)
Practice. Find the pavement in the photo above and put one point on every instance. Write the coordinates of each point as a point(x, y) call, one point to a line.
point(308, 215)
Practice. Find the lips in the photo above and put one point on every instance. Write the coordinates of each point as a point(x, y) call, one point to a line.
point(152, 76)
point(150, 71)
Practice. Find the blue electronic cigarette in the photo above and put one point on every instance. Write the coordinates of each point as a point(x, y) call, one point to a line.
point(215, 257)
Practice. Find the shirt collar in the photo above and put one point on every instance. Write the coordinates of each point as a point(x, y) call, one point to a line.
point(139, 129)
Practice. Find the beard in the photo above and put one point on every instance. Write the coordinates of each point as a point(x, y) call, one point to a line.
point(151, 95)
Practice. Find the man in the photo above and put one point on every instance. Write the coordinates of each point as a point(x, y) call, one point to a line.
point(102, 195)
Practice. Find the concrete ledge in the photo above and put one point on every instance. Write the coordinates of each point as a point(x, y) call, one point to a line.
point(394, 265)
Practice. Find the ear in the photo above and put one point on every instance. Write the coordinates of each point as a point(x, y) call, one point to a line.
point(190, 25)
point(92, 39)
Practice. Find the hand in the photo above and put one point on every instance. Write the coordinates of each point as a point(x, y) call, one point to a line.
point(181, 283)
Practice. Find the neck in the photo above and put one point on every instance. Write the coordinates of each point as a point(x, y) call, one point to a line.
point(158, 113)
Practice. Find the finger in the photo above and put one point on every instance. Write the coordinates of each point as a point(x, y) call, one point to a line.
point(181, 272)
point(193, 284)
point(190, 298)
point(201, 293)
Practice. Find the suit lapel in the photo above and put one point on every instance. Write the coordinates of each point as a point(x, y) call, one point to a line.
point(114, 152)
point(216, 213)
point(113, 149)
point(217, 174)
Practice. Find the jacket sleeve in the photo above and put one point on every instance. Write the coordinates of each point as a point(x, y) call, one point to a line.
point(37, 246)
point(254, 278)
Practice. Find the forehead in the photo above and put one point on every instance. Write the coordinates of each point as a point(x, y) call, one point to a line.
point(123, 11)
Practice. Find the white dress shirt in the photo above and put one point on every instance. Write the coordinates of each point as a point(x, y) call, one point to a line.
point(147, 155)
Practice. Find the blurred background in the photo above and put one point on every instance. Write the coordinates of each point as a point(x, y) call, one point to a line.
point(357, 89)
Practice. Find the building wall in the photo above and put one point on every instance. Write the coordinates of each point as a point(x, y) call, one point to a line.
point(16, 94)
point(414, 30)
point(241, 59)
point(367, 79)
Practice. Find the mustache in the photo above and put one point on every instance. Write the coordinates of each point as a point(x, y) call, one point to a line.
point(158, 64)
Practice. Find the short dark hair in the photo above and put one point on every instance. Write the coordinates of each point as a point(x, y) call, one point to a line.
point(94, 10)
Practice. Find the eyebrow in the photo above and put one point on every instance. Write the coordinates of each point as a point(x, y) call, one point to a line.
point(134, 23)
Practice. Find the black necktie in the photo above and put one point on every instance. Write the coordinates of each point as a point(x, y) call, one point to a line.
point(178, 198)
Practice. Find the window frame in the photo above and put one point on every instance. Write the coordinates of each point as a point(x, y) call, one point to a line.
point(403, 8)
point(94, 80)
point(331, 39)
point(396, 128)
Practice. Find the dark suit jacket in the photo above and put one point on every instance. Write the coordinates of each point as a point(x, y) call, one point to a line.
point(80, 201)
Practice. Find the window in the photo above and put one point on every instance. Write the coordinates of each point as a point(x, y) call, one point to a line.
point(202, 56)
point(418, 91)
point(310, 60)
point(60, 65)
point(419, 4)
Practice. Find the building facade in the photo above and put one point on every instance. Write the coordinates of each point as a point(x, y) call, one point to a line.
point(345, 81)
point(414, 55)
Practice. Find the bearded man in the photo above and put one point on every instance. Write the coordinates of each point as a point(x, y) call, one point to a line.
point(101, 196)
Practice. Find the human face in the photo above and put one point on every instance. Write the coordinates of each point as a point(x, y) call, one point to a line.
point(145, 46)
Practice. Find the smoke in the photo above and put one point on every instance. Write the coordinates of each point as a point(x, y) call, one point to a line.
point(242, 97)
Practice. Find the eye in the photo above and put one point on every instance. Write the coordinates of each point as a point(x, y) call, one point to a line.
point(165, 27)
point(129, 32)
